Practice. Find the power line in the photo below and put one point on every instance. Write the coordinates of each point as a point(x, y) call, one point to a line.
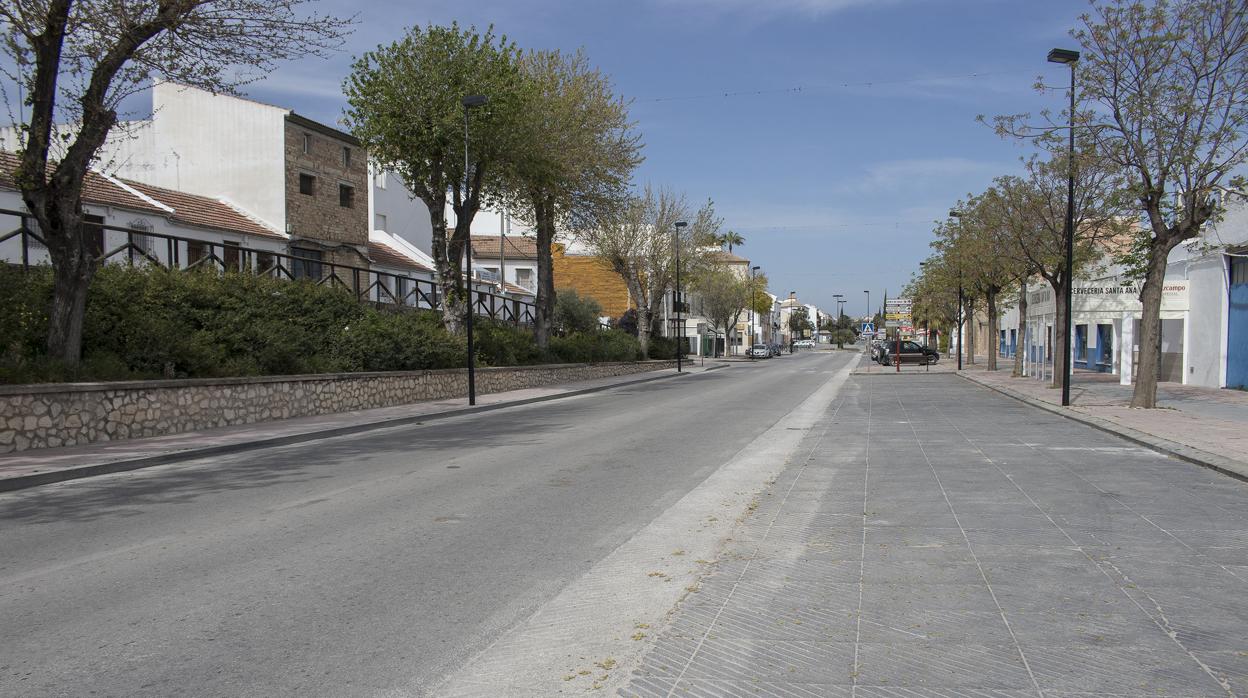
point(797, 89)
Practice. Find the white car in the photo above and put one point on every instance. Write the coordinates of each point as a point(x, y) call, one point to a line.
point(805, 343)
point(760, 351)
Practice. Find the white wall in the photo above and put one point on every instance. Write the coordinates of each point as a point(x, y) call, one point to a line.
point(405, 216)
point(11, 250)
point(214, 145)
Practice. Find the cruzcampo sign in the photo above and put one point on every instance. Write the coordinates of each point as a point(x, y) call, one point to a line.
point(1109, 297)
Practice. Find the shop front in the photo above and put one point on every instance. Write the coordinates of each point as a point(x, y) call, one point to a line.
point(1106, 319)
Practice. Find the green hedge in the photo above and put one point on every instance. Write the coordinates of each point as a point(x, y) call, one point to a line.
point(153, 323)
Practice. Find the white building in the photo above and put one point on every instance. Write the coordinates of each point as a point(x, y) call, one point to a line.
point(1204, 315)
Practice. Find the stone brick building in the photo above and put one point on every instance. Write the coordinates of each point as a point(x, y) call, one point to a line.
point(326, 185)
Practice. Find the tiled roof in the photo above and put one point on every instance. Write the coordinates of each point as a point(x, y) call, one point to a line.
point(96, 189)
point(512, 288)
point(203, 211)
point(390, 257)
point(516, 247)
point(728, 257)
point(188, 209)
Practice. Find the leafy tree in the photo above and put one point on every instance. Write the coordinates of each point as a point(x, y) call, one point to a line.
point(1165, 85)
point(724, 296)
point(1029, 215)
point(843, 337)
point(574, 313)
point(580, 153)
point(731, 239)
point(405, 105)
point(77, 61)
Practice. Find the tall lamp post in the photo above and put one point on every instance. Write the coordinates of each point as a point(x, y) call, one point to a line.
point(1070, 58)
point(870, 317)
point(469, 102)
point(961, 303)
point(839, 314)
point(753, 309)
point(676, 301)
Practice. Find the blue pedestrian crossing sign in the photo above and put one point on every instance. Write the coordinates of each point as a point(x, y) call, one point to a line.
point(868, 328)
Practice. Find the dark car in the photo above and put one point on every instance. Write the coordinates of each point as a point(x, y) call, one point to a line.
point(911, 353)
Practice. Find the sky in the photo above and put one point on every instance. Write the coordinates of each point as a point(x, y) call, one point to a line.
point(829, 133)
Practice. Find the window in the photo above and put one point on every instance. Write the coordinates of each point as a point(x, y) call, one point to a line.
point(346, 157)
point(230, 251)
point(524, 277)
point(307, 144)
point(1239, 270)
point(380, 179)
point(141, 242)
point(346, 196)
point(307, 184)
point(94, 232)
point(379, 221)
point(196, 251)
point(307, 263)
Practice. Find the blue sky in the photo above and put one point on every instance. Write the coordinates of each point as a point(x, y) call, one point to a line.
point(834, 185)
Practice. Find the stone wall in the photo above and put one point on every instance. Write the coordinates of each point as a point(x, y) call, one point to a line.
point(68, 414)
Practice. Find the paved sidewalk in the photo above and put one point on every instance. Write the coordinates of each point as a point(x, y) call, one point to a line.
point(940, 540)
point(43, 466)
point(1199, 424)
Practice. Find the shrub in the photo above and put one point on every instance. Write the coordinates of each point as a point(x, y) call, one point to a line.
point(402, 341)
point(574, 313)
point(501, 344)
point(662, 348)
point(594, 347)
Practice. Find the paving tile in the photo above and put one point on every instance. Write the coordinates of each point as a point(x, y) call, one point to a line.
point(942, 665)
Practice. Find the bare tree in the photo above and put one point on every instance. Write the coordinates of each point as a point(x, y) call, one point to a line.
point(78, 59)
point(639, 240)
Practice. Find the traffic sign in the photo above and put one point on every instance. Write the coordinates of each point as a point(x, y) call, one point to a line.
point(892, 323)
point(868, 328)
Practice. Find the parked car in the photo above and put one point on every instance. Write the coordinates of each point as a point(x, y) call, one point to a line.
point(775, 349)
point(760, 351)
point(911, 353)
point(804, 343)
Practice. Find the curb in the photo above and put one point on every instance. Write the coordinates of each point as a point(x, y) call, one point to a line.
point(22, 482)
point(1174, 449)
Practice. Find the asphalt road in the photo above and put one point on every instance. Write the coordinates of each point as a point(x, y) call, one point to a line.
point(367, 565)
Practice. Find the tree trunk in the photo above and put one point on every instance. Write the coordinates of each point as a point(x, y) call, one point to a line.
point(968, 317)
point(1061, 325)
point(544, 212)
point(1149, 368)
point(991, 298)
point(446, 272)
point(72, 270)
point(1021, 338)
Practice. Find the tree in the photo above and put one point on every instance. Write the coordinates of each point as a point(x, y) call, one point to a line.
point(77, 61)
point(799, 321)
point(1170, 83)
point(638, 239)
point(731, 239)
point(1165, 90)
point(405, 104)
point(980, 249)
point(724, 296)
point(1029, 216)
point(575, 313)
point(580, 153)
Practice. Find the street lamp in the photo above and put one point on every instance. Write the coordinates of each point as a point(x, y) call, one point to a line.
point(470, 101)
point(961, 319)
point(793, 306)
point(839, 314)
point(676, 300)
point(1070, 58)
point(753, 309)
point(870, 317)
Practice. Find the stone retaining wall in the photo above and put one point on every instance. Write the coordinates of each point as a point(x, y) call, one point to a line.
point(67, 414)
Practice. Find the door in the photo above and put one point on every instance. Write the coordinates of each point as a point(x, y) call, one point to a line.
point(1237, 326)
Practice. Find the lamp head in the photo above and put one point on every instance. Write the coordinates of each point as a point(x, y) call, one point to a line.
point(1061, 55)
point(681, 224)
point(474, 100)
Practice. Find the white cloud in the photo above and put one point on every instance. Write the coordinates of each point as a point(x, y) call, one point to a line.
point(912, 174)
